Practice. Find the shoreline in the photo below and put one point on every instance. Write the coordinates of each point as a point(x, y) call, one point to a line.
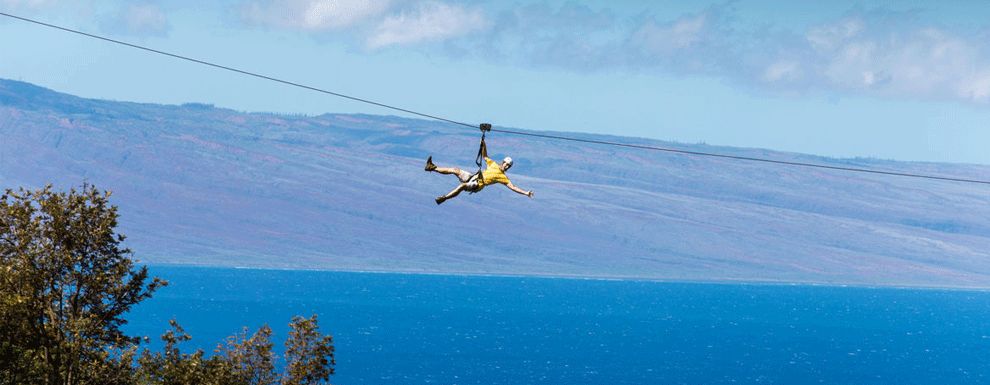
point(724, 281)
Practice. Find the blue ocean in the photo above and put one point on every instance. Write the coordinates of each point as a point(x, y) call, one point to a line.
point(444, 329)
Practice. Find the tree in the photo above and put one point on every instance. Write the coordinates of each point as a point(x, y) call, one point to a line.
point(249, 361)
point(308, 354)
point(171, 366)
point(66, 283)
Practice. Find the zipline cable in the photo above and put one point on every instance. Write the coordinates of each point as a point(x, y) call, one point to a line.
point(442, 119)
point(674, 150)
point(240, 71)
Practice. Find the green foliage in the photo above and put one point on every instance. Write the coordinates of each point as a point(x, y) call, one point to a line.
point(242, 360)
point(308, 353)
point(171, 366)
point(249, 360)
point(65, 284)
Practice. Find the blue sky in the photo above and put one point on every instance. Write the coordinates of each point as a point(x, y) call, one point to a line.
point(905, 80)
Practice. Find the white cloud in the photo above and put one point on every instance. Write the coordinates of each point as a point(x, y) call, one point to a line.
point(976, 87)
point(878, 53)
point(136, 19)
point(572, 35)
point(312, 15)
point(874, 52)
point(26, 4)
point(783, 70)
point(891, 57)
point(828, 36)
point(144, 19)
point(665, 39)
point(428, 22)
point(693, 43)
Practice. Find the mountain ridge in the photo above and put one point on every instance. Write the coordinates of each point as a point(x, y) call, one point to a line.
point(204, 185)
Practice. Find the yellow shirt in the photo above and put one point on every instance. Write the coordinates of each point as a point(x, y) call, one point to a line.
point(492, 174)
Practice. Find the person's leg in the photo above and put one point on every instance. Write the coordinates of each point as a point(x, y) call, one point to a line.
point(462, 175)
point(448, 170)
point(453, 193)
point(443, 170)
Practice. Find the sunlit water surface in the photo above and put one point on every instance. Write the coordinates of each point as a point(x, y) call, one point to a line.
point(403, 328)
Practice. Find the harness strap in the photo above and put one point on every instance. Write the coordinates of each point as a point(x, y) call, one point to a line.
point(478, 160)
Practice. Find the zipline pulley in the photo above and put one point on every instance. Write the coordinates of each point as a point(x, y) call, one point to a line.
point(478, 160)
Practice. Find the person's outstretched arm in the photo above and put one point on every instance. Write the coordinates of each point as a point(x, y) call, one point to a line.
point(519, 190)
point(484, 149)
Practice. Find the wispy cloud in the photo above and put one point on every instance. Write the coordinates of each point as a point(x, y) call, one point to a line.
point(892, 54)
point(30, 5)
point(137, 19)
point(312, 15)
point(572, 35)
point(878, 53)
point(373, 25)
point(18, 5)
point(698, 42)
point(427, 22)
point(865, 52)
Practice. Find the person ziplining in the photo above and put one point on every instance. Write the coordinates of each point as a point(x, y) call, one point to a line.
point(492, 173)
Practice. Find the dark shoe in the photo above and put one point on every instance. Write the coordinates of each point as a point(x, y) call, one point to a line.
point(440, 200)
point(429, 164)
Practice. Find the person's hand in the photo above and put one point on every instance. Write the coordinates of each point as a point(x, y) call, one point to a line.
point(529, 193)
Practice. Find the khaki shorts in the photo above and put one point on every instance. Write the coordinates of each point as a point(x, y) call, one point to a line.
point(470, 181)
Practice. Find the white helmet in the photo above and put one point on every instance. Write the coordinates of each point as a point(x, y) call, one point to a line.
point(508, 161)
